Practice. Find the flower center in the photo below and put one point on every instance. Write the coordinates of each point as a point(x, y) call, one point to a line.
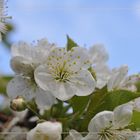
point(62, 76)
point(60, 71)
point(107, 134)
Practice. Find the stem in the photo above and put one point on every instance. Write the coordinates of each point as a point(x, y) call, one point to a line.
point(38, 115)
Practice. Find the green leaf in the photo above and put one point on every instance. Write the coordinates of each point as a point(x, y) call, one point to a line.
point(135, 121)
point(138, 86)
point(70, 43)
point(79, 103)
point(103, 100)
point(57, 109)
point(3, 83)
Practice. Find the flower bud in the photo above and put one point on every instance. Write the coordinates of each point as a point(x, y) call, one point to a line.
point(18, 104)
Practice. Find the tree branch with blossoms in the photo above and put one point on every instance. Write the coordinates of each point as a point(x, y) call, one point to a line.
point(73, 86)
point(67, 93)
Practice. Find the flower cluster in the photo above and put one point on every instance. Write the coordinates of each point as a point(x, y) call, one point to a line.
point(46, 72)
point(109, 125)
point(68, 93)
point(3, 17)
point(24, 62)
point(73, 87)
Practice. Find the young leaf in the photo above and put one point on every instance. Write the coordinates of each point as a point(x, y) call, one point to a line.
point(70, 43)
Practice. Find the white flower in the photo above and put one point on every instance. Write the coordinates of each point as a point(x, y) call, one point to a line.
point(108, 125)
point(115, 79)
point(74, 135)
point(99, 57)
point(24, 62)
point(46, 131)
point(118, 79)
point(3, 17)
point(65, 73)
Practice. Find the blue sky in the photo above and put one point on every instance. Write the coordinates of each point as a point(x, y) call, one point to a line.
point(114, 23)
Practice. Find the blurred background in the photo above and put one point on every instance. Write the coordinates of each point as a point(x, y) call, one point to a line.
point(116, 24)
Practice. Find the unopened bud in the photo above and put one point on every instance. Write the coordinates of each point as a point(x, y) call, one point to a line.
point(18, 104)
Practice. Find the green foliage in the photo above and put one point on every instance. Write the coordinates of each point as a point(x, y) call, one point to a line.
point(79, 103)
point(86, 107)
point(102, 100)
point(138, 86)
point(3, 83)
point(70, 43)
point(135, 121)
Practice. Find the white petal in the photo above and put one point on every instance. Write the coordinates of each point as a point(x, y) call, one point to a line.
point(35, 54)
point(52, 129)
point(130, 135)
point(74, 135)
point(45, 45)
point(20, 86)
point(44, 99)
point(123, 115)
point(60, 90)
point(101, 121)
point(79, 58)
point(40, 54)
point(43, 77)
point(117, 78)
point(91, 136)
point(21, 49)
point(137, 104)
point(83, 83)
point(21, 65)
point(31, 135)
point(46, 131)
point(63, 91)
point(98, 54)
point(129, 83)
point(102, 73)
